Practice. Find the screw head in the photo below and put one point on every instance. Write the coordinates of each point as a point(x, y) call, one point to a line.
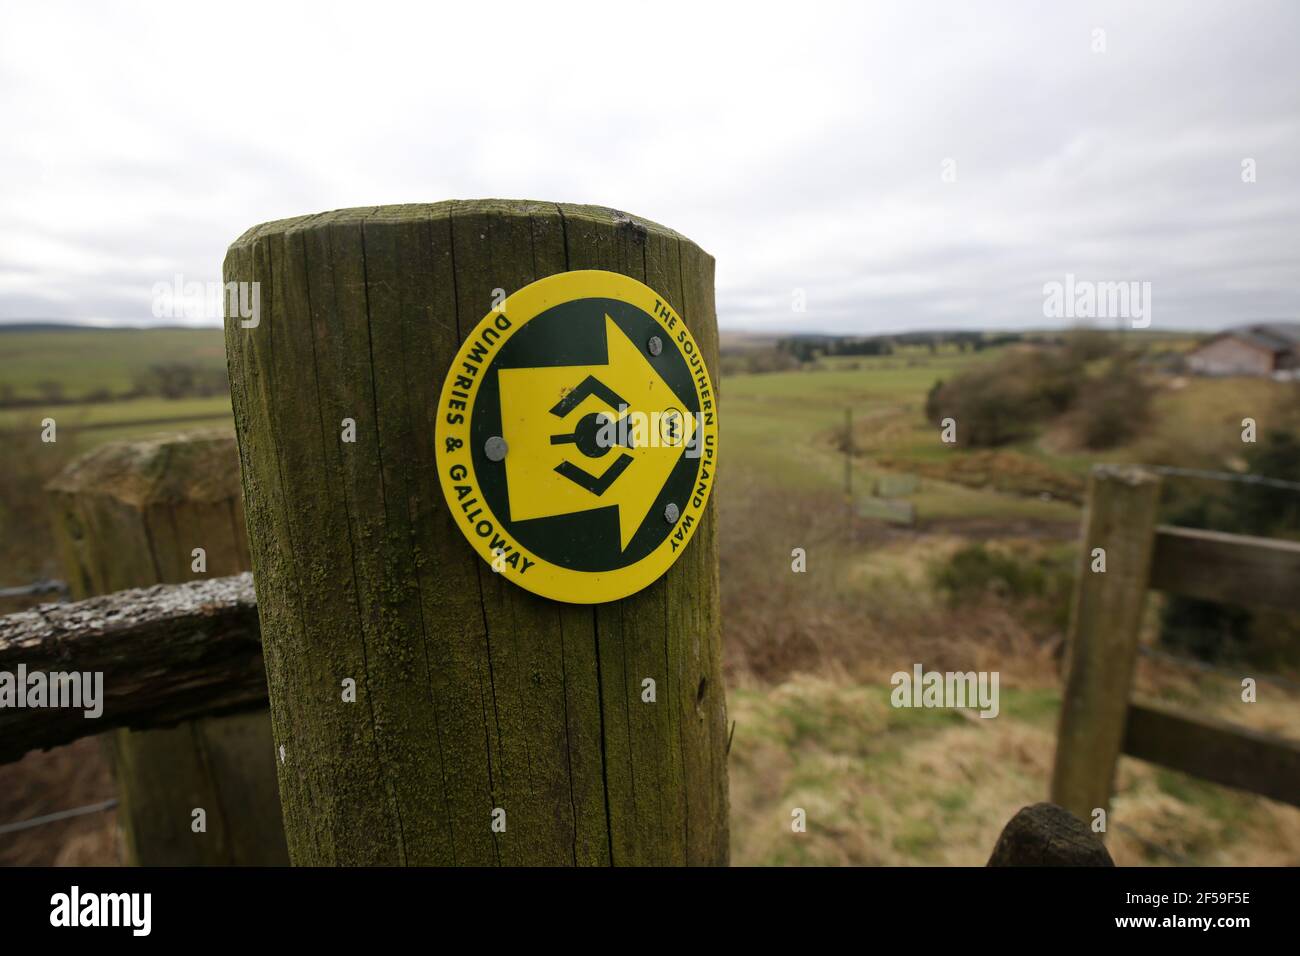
point(495, 448)
point(672, 513)
point(655, 345)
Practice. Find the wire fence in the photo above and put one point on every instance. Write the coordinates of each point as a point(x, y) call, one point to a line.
point(36, 588)
point(33, 822)
point(60, 588)
point(1244, 478)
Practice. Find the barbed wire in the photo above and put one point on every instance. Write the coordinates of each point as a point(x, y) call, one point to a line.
point(1247, 478)
point(19, 825)
point(43, 586)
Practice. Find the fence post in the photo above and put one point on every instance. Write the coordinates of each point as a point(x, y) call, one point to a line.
point(428, 710)
point(1105, 621)
point(130, 514)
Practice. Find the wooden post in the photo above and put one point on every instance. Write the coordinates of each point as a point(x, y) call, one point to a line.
point(130, 514)
point(1104, 625)
point(848, 472)
point(1047, 835)
point(472, 696)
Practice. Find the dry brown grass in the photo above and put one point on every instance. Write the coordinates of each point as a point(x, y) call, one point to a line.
point(808, 660)
point(886, 787)
point(880, 786)
point(46, 782)
point(863, 608)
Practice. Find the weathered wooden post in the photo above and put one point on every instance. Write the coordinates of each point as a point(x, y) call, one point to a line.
point(1047, 835)
point(1106, 618)
point(427, 708)
point(130, 514)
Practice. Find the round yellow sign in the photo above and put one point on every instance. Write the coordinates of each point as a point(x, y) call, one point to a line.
point(577, 437)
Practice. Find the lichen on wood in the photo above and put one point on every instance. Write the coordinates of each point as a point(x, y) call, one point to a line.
point(472, 694)
point(168, 653)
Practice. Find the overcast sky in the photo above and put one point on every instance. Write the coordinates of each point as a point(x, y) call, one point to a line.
point(804, 145)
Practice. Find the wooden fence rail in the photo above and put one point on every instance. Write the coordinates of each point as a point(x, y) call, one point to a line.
point(204, 636)
point(1214, 750)
point(168, 653)
point(1230, 568)
point(1098, 719)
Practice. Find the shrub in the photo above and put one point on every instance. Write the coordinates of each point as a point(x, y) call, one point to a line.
point(1088, 345)
point(1215, 632)
point(1006, 401)
point(993, 404)
point(1112, 409)
point(181, 380)
point(974, 570)
point(932, 413)
point(50, 390)
point(1264, 509)
point(1041, 583)
point(1056, 377)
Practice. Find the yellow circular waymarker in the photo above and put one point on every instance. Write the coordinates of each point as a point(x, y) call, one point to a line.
point(577, 437)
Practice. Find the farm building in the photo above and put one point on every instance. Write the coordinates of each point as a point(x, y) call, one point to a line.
point(1262, 349)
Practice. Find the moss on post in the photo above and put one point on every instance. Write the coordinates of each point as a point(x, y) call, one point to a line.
point(472, 695)
point(130, 514)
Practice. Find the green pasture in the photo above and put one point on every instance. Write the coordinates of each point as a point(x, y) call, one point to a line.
point(781, 428)
point(85, 426)
point(787, 428)
point(82, 362)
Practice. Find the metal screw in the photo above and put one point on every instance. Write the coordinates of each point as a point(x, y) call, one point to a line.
point(655, 345)
point(672, 513)
point(495, 448)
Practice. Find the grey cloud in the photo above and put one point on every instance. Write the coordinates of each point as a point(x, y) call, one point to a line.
point(801, 148)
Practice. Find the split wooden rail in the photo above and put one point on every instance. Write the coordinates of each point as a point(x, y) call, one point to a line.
point(172, 653)
point(168, 653)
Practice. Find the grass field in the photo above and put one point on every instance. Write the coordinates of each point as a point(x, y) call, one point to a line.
point(808, 655)
point(81, 362)
point(812, 653)
point(788, 427)
point(88, 425)
point(886, 786)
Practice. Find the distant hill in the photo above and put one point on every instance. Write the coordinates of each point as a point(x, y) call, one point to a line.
point(738, 343)
point(63, 362)
point(50, 325)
